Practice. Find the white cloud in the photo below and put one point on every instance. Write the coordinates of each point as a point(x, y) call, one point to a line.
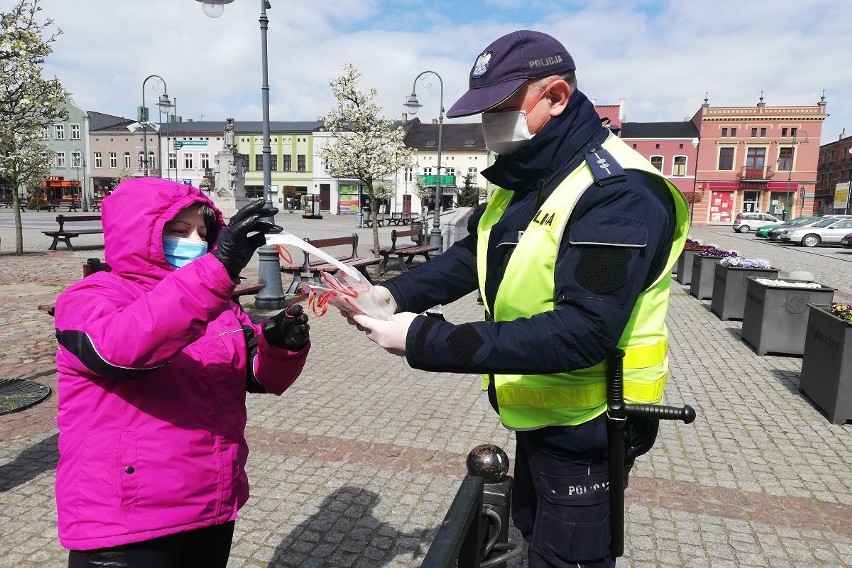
point(661, 56)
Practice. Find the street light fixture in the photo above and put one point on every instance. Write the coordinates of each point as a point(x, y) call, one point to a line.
point(412, 104)
point(695, 142)
point(80, 160)
point(164, 105)
point(271, 297)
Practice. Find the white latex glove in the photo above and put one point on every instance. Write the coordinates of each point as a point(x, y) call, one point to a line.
point(389, 335)
point(382, 294)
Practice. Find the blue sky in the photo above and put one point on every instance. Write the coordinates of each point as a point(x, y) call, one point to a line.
point(660, 56)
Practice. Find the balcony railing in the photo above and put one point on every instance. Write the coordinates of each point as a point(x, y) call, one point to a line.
point(755, 174)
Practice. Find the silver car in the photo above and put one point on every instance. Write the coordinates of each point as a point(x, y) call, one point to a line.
point(745, 222)
point(774, 234)
point(828, 231)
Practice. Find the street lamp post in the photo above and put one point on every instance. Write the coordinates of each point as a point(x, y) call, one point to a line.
point(412, 104)
point(789, 202)
point(81, 161)
point(164, 104)
point(695, 143)
point(271, 297)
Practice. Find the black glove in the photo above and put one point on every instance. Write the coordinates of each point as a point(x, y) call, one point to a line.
point(288, 329)
point(234, 247)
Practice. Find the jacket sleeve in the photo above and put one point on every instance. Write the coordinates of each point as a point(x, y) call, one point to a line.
point(427, 285)
point(114, 331)
point(271, 369)
point(596, 288)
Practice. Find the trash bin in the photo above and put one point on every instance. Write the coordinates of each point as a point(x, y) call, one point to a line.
point(419, 226)
point(359, 220)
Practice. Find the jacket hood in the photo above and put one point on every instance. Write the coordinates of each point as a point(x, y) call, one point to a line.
point(133, 217)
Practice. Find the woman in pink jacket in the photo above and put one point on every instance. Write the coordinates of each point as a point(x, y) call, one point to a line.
point(154, 362)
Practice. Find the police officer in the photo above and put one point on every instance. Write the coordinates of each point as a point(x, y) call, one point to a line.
point(572, 256)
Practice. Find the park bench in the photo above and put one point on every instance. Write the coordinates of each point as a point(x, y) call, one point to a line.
point(309, 269)
point(8, 203)
point(93, 265)
point(66, 236)
point(404, 254)
point(399, 219)
point(380, 220)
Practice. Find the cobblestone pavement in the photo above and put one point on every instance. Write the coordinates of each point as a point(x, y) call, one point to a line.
point(357, 463)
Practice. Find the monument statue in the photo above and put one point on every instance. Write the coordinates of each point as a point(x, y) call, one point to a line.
point(229, 193)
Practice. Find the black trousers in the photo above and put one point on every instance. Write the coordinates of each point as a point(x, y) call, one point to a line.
point(208, 547)
point(560, 494)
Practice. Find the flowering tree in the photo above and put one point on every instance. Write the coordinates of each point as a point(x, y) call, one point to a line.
point(28, 102)
point(366, 146)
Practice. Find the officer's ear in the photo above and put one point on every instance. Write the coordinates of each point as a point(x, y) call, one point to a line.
point(558, 93)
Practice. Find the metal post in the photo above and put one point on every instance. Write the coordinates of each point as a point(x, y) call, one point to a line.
point(435, 237)
point(163, 102)
point(271, 297)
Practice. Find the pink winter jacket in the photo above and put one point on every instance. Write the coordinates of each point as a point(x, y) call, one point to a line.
point(152, 366)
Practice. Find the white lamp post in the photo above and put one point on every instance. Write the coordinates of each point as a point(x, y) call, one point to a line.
point(695, 142)
point(269, 269)
point(164, 105)
point(412, 104)
point(80, 161)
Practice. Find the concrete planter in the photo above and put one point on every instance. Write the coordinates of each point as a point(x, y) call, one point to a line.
point(775, 318)
point(684, 266)
point(701, 284)
point(827, 364)
point(729, 289)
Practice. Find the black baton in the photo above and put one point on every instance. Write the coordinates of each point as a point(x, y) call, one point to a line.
point(616, 415)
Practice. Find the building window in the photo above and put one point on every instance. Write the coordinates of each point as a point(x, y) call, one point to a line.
point(783, 133)
point(724, 133)
point(60, 159)
point(127, 159)
point(273, 162)
point(75, 132)
point(301, 163)
point(733, 132)
point(172, 161)
point(187, 161)
point(76, 159)
point(258, 162)
point(427, 171)
point(409, 174)
point(205, 161)
point(656, 146)
point(657, 162)
point(755, 158)
point(754, 132)
point(287, 163)
point(152, 160)
point(785, 159)
point(141, 160)
point(449, 171)
point(763, 133)
point(59, 131)
point(679, 166)
point(113, 160)
point(99, 160)
point(726, 159)
point(45, 133)
point(473, 172)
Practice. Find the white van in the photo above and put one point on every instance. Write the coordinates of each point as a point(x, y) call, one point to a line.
point(745, 222)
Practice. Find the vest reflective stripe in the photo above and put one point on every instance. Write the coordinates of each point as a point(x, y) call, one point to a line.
point(528, 288)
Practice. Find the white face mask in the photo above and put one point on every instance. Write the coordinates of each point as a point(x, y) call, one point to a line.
point(505, 131)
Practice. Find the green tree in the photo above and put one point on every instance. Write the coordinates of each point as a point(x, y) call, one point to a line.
point(469, 196)
point(28, 101)
point(366, 146)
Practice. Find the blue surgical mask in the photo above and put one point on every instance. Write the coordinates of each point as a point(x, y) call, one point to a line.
point(180, 252)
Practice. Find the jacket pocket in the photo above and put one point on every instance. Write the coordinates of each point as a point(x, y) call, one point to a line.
point(127, 470)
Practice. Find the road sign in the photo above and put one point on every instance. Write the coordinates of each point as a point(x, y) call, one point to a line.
point(177, 144)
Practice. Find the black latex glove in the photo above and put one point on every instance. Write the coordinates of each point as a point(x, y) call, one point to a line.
point(235, 246)
point(288, 329)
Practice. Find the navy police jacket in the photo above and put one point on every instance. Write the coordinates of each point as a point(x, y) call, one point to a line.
point(597, 286)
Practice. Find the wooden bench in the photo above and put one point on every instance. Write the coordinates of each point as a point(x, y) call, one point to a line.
point(8, 203)
point(93, 265)
point(380, 220)
point(309, 270)
point(404, 254)
point(66, 236)
point(399, 219)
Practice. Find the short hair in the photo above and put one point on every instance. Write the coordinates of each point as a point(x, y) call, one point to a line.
point(570, 77)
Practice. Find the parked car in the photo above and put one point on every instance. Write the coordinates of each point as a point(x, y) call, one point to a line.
point(763, 232)
point(745, 222)
point(846, 241)
point(830, 230)
point(773, 232)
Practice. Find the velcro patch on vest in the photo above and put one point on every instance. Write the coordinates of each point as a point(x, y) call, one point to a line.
point(464, 341)
point(602, 270)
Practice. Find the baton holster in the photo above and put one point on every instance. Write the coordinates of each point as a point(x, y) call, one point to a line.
point(617, 413)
